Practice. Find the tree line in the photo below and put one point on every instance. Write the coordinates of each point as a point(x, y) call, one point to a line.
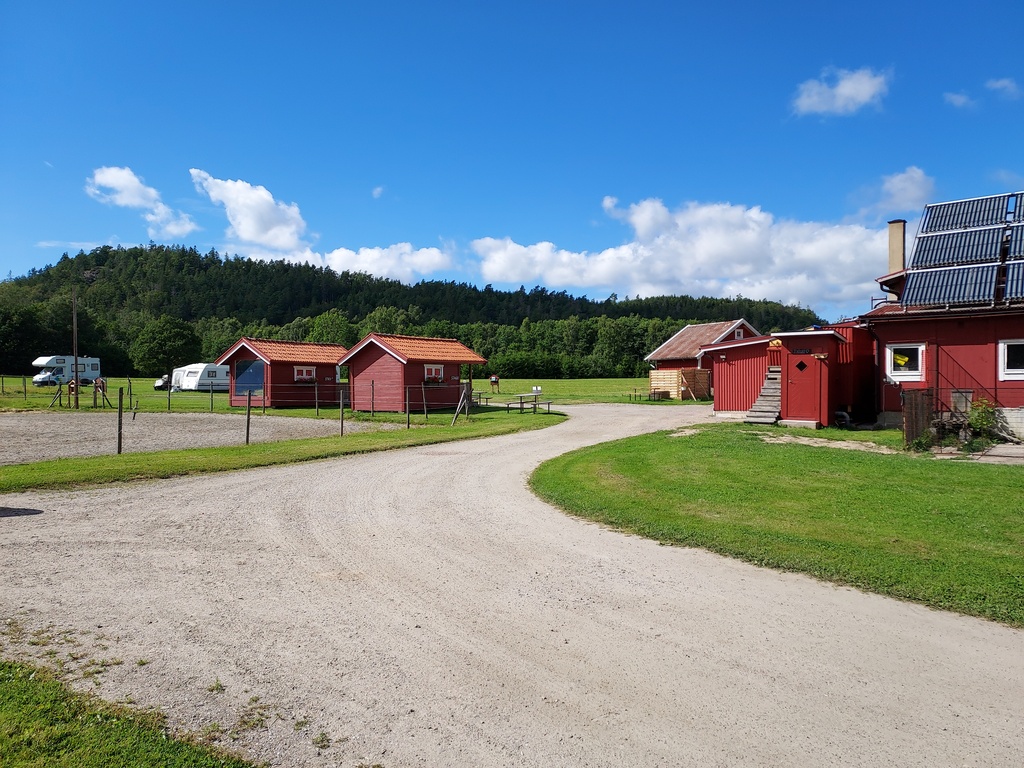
point(140, 307)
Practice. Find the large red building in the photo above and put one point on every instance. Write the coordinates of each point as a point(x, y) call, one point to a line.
point(951, 330)
point(954, 322)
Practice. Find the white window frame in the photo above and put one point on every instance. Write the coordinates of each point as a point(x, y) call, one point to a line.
point(898, 375)
point(433, 371)
point(1005, 373)
point(739, 333)
point(303, 372)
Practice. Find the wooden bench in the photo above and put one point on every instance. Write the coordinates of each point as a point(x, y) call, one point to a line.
point(546, 403)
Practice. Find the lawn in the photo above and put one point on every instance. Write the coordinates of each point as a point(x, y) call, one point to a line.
point(43, 724)
point(943, 533)
point(147, 400)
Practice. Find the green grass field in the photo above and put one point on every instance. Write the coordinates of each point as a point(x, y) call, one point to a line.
point(13, 396)
point(943, 533)
point(45, 725)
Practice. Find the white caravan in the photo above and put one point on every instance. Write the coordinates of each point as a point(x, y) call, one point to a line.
point(57, 370)
point(200, 377)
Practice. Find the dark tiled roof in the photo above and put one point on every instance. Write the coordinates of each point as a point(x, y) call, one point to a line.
point(686, 343)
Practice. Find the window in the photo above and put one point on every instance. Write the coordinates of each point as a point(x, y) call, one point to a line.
point(211, 374)
point(304, 373)
point(739, 333)
point(433, 374)
point(904, 362)
point(249, 377)
point(1011, 360)
point(191, 374)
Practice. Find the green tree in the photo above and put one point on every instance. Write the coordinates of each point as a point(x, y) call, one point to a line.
point(385, 320)
point(164, 344)
point(333, 327)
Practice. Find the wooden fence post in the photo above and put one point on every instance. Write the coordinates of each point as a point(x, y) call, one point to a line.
point(120, 416)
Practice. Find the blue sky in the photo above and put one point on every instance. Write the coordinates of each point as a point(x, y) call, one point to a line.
point(640, 148)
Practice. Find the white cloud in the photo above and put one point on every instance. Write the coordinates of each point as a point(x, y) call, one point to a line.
point(121, 187)
point(256, 218)
point(1005, 86)
point(713, 249)
point(1008, 179)
point(399, 261)
point(266, 229)
point(841, 92)
point(958, 100)
point(909, 190)
point(377, 192)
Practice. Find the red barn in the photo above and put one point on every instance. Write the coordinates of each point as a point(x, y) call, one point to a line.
point(283, 373)
point(674, 361)
point(814, 377)
point(388, 372)
point(953, 328)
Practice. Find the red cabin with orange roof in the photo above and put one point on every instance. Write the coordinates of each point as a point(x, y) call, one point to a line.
point(281, 374)
point(389, 372)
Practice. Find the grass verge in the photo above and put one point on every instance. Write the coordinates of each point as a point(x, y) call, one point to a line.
point(98, 470)
point(45, 724)
point(949, 535)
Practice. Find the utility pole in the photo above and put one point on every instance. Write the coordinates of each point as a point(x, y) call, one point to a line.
point(74, 340)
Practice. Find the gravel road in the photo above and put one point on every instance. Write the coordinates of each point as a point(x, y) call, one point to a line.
point(422, 608)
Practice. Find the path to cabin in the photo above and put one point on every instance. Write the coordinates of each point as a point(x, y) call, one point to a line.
point(422, 608)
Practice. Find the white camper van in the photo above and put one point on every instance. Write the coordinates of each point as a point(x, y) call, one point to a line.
point(57, 370)
point(201, 377)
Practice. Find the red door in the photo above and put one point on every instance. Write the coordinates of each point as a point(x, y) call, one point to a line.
point(803, 388)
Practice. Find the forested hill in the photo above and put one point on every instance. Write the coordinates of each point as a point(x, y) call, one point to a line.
point(186, 284)
point(120, 290)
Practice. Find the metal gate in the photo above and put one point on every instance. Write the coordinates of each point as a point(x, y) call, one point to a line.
point(918, 412)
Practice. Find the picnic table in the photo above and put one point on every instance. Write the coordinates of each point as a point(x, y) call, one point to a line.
point(480, 398)
point(527, 400)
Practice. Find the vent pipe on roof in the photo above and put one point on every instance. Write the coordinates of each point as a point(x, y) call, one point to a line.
point(897, 248)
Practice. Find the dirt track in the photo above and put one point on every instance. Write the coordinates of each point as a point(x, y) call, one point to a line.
point(41, 435)
point(422, 608)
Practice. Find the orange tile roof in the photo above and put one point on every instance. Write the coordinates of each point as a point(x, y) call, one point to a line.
point(294, 351)
point(424, 349)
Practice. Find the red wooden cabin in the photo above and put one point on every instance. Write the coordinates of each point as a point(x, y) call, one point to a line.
point(283, 373)
point(389, 372)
